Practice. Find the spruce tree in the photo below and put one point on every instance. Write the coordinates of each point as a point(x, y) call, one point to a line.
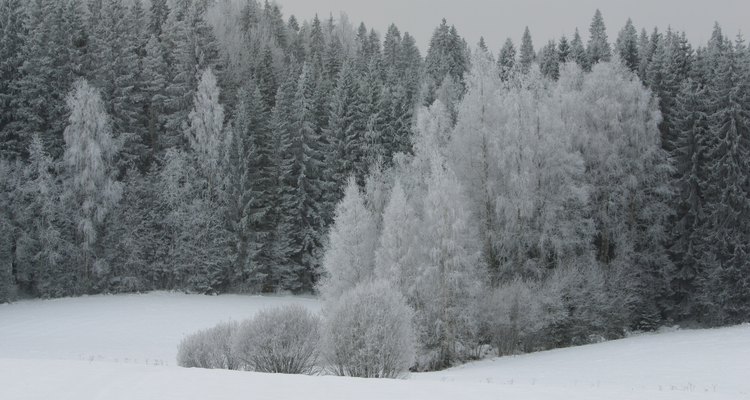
point(506, 60)
point(11, 44)
point(627, 46)
point(300, 223)
point(688, 234)
point(728, 200)
point(578, 52)
point(598, 47)
point(526, 54)
point(549, 63)
point(563, 50)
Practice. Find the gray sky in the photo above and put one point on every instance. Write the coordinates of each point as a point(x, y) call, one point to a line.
point(547, 19)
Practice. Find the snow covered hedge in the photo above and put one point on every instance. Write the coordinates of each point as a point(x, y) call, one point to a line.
point(281, 340)
point(368, 333)
point(210, 348)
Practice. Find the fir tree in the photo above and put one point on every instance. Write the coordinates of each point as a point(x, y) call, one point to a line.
point(627, 46)
point(526, 54)
point(506, 60)
point(563, 50)
point(578, 52)
point(549, 63)
point(598, 47)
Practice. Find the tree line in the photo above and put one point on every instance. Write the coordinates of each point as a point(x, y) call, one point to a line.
point(210, 146)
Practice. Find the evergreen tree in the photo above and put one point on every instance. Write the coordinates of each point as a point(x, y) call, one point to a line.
point(250, 191)
point(563, 50)
point(526, 55)
point(627, 46)
point(549, 63)
point(644, 53)
point(11, 44)
point(578, 52)
point(158, 16)
point(598, 47)
point(689, 155)
point(300, 224)
point(506, 60)
point(728, 200)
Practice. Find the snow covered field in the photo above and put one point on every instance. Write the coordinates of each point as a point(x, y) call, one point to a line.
point(123, 347)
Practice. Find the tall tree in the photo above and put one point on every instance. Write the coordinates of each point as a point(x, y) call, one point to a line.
point(526, 55)
point(506, 60)
point(91, 189)
point(598, 47)
point(627, 46)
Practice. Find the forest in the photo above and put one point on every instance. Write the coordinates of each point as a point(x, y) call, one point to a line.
point(527, 198)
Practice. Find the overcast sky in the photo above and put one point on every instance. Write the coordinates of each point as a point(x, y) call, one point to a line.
point(547, 19)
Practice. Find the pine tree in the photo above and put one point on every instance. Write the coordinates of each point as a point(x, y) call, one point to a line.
point(563, 50)
point(447, 56)
point(158, 16)
point(192, 48)
point(526, 55)
point(11, 44)
point(250, 190)
point(90, 151)
point(549, 63)
point(345, 131)
point(627, 46)
point(45, 254)
point(689, 155)
point(578, 52)
point(506, 60)
point(644, 53)
point(728, 201)
point(154, 84)
point(301, 180)
point(598, 47)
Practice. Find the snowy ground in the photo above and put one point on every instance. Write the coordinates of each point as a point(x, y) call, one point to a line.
point(123, 347)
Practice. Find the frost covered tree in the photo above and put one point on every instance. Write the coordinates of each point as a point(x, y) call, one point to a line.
point(91, 188)
point(598, 48)
point(627, 46)
point(398, 251)
point(349, 256)
point(578, 51)
point(450, 271)
point(506, 59)
point(526, 54)
point(473, 149)
point(206, 128)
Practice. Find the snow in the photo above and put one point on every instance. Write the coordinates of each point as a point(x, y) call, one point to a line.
point(125, 328)
point(123, 347)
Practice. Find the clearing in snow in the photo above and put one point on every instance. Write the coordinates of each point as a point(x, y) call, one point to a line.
point(124, 347)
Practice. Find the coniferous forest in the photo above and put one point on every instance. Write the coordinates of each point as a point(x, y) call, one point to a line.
point(533, 196)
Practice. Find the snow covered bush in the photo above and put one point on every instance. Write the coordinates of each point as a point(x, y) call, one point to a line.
point(512, 317)
point(281, 340)
point(210, 348)
point(368, 333)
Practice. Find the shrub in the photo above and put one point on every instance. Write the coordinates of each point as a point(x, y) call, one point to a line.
point(513, 317)
point(282, 340)
point(368, 333)
point(210, 348)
